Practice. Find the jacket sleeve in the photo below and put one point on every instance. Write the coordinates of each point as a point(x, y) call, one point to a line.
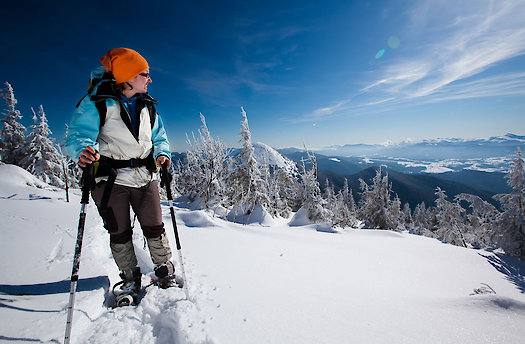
point(161, 145)
point(83, 129)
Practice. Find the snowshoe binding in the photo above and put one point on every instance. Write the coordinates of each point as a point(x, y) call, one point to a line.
point(165, 277)
point(129, 288)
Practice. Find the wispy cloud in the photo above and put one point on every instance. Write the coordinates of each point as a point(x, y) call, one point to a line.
point(467, 42)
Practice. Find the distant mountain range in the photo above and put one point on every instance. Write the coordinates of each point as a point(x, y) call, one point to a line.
point(437, 149)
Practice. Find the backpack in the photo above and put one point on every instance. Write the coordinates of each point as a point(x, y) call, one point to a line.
point(100, 78)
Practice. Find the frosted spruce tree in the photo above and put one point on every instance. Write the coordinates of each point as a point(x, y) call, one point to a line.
point(348, 198)
point(203, 174)
point(74, 173)
point(511, 221)
point(449, 217)
point(377, 209)
point(310, 192)
point(12, 139)
point(481, 220)
point(42, 158)
point(247, 188)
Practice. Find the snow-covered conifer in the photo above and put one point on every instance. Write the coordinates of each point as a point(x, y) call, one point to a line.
point(43, 159)
point(12, 139)
point(310, 191)
point(205, 168)
point(511, 221)
point(377, 209)
point(407, 214)
point(481, 220)
point(348, 198)
point(248, 188)
point(450, 225)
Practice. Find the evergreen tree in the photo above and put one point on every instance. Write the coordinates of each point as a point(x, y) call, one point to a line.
point(511, 221)
point(348, 198)
point(205, 168)
point(376, 207)
point(449, 220)
point(12, 139)
point(74, 172)
point(310, 191)
point(43, 159)
point(286, 189)
point(407, 215)
point(247, 188)
point(481, 220)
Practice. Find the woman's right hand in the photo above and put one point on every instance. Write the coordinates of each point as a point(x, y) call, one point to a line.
point(87, 156)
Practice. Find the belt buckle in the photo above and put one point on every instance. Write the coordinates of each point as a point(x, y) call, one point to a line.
point(135, 163)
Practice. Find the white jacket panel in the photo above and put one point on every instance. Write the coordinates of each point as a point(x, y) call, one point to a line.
point(117, 142)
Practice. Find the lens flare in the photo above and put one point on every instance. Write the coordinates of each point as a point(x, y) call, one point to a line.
point(393, 42)
point(380, 53)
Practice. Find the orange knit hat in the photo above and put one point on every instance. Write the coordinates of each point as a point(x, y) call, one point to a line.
point(125, 64)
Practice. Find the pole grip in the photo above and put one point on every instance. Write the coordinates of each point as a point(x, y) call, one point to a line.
point(87, 182)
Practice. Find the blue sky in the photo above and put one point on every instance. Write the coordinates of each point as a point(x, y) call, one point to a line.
point(322, 72)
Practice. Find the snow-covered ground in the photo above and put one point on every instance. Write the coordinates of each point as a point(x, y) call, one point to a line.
point(248, 283)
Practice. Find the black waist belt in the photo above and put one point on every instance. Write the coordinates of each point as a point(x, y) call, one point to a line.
point(116, 164)
point(108, 167)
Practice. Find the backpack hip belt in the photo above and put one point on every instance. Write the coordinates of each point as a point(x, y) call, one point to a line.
point(107, 166)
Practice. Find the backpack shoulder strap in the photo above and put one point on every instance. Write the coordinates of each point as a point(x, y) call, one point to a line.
point(102, 110)
point(152, 113)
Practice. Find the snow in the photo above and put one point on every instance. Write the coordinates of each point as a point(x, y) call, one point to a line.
point(248, 283)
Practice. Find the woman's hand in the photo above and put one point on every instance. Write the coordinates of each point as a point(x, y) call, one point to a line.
point(87, 156)
point(162, 159)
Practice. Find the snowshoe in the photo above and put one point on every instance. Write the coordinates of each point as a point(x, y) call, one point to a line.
point(167, 282)
point(165, 277)
point(129, 288)
point(126, 299)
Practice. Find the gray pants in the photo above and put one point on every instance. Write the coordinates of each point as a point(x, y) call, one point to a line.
point(145, 202)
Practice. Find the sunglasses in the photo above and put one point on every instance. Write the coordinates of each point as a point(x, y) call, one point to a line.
point(146, 75)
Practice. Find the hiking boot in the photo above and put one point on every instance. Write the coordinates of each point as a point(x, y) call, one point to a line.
point(132, 281)
point(164, 273)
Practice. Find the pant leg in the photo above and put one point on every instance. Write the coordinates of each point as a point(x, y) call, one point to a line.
point(116, 217)
point(146, 205)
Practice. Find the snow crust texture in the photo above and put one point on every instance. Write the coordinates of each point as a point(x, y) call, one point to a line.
point(248, 283)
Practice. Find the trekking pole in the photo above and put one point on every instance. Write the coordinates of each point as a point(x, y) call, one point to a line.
point(87, 175)
point(165, 177)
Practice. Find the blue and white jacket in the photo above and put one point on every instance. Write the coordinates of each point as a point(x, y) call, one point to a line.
point(116, 139)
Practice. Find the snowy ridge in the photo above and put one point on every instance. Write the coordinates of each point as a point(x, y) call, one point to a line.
point(263, 152)
point(249, 283)
point(434, 149)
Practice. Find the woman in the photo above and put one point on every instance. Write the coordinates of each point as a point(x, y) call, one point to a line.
point(116, 127)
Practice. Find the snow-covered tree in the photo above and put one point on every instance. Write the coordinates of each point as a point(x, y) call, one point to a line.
point(12, 139)
point(450, 225)
point(377, 209)
point(205, 168)
point(43, 159)
point(348, 198)
point(511, 221)
point(407, 214)
point(247, 187)
point(310, 191)
point(481, 220)
point(74, 173)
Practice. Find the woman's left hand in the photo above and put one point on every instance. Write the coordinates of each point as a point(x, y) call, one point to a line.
point(162, 159)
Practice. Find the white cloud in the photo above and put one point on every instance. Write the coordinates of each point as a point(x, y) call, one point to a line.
point(462, 42)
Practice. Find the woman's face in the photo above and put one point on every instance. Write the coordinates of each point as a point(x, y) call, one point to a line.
point(140, 82)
